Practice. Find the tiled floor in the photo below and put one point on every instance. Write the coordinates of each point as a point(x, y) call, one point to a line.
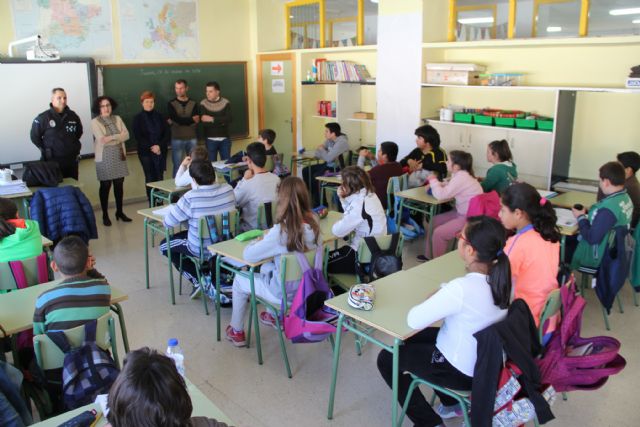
point(254, 395)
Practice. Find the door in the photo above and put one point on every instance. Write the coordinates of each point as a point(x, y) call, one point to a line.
point(276, 100)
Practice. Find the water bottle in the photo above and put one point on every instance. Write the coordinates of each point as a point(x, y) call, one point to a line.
point(175, 352)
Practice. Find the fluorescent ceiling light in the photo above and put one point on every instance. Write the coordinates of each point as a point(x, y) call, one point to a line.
point(554, 29)
point(374, 1)
point(630, 11)
point(636, 21)
point(480, 20)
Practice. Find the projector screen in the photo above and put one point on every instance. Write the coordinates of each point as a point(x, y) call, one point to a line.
point(27, 92)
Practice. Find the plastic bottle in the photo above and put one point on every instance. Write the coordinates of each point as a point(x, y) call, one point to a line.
point(175, 352)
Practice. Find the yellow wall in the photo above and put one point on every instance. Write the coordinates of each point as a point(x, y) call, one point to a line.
point(224, 35)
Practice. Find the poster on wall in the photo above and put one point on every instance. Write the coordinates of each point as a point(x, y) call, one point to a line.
point(80, 28)
point(277, 68)
point(277, 85)
point(159, 30)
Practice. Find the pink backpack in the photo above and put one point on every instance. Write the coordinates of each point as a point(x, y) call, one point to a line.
point(484, 204)
point(571, 362)
point(308, 318)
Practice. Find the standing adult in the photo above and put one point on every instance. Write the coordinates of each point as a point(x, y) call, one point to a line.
point(183, 118)
point(109, 136)
point(56, 132)
point(215, 115)
point(152, 134)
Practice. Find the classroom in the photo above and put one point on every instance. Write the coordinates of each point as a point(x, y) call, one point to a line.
point(459, 126)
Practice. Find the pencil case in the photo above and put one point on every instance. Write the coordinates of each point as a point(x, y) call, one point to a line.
point(248, 235)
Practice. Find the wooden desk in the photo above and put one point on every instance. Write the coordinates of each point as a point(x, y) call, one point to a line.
point(155, 223)
point(202, 407)
point(164, 190)
point(395, 296)
point(16, 308)
point(227, 169)
point(234, 249)
point(303, 160)
point(570, 198)
point(414, 199)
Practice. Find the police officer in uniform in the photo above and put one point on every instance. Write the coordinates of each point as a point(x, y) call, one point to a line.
point(56, 132)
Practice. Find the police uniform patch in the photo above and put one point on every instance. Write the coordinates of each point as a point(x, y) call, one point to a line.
point(52, 123)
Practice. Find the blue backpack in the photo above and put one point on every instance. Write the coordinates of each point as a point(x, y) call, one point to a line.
point(87, 371)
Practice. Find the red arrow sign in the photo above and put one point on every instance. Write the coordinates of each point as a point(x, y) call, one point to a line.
point(277, 68)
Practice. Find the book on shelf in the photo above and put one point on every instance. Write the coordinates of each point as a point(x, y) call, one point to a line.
point(341, 71)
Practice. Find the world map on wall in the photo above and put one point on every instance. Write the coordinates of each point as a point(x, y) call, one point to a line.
point(159, 29)
point(74, 27)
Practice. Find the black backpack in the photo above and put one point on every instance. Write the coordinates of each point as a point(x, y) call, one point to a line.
point(383, 262)
point(42, 174)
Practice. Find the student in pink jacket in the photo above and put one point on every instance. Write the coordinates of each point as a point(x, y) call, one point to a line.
point(462, 187)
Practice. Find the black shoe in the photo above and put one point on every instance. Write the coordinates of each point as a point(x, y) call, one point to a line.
point(123, 217)
point(422, 258)
point(106, 221)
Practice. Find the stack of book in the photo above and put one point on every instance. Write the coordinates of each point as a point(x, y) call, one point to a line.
point(341, 71)
point(13, 187)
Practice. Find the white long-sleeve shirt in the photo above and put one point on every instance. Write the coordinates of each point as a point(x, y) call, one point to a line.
point(371, 222)
point(183, 177)
point(251, 193)
point(467, 306)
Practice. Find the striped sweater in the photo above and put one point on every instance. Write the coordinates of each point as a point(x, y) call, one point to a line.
point(201, 201)
point(74, 302)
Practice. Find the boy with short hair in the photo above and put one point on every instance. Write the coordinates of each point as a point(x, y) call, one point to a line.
point(613, 211)
point(630, 160)
point(427, 156)
point(206, 197)
point(258, 186)
point(267, 137)
point(384, 167)
point(79, 298)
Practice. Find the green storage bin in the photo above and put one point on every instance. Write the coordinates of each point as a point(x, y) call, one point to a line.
point(526, 123)
point(481, 119)
point(463, 117)
point(505, 122)
point(546, 125)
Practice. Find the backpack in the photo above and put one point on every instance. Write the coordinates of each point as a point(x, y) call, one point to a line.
point(383, 262)
point(45, 174)
point(87, 371)
point(308, 319)
point(279, 167)
point(572, 362)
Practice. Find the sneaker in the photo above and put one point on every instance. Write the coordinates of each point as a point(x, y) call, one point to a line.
point(447, 412)
point(195, 292)
point(422, 258)
point(268, 319)
point(236, 338)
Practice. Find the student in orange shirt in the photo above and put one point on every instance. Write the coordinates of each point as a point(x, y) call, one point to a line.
point(534, 251)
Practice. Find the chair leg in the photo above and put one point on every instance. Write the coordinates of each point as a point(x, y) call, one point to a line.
point(180, 281)
point(606, 319)
point(358, 345)
point(619, 303)
point(405, 406)
point(202, 293)
point(249, 328)
point(283, 349)
point(465, 413)
point(584, 283)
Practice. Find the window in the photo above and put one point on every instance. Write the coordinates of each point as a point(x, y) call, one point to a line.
point(611, 17)
point(481, 20)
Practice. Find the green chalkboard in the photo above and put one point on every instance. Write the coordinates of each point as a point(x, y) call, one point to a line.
point(125, 83)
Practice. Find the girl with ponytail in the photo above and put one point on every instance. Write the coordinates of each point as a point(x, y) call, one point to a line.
point(534, 251)
point(468, 304)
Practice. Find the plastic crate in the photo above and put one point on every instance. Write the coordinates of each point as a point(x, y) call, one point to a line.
point(505, 122)
point(463, 117)
point(526, 123)
point(481, 119)
point(545, 125)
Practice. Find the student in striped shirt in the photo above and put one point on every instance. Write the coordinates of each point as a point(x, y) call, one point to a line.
point(79, 298)
point(206, 197)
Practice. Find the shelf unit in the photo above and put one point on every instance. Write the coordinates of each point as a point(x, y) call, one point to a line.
point(538, 88)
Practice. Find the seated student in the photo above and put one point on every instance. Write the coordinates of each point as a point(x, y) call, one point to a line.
point(258, 186)
point(503, 172)
point(183, 178)
point(80, 297)
point(462, 186)
point(631, 162)
point(613, 211)
point(446, 356)
point(335, 144)
point(150, 392)
point(534, 251)
point(267, 137)
point(296, 229)
point(19, 238)
point(363, 214)
point(384, 167)
point(426, 157)
point(206, 197)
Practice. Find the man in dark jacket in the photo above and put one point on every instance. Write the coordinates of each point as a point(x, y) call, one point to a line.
point(56, 132)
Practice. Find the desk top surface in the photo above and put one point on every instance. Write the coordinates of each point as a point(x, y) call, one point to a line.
point(570, 198)
point(202, 407)
point(398, 293)
point(16, 307)
point(168, 185)
point(148, 213)
point(419, 195)
point(330, 179)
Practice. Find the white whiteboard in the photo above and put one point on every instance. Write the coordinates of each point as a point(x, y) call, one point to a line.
point(27, 93)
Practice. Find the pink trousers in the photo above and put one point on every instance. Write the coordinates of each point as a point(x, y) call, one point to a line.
point(445, 228)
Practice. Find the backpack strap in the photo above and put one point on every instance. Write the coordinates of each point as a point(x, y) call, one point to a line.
point(212, 227)
point(268, 215)
point(372, 244)
point(319, 257)
point(226, 228)
point(395, 239)
point(90, 331)
point(302, 260)
point(366, 216)
point(60, 340)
